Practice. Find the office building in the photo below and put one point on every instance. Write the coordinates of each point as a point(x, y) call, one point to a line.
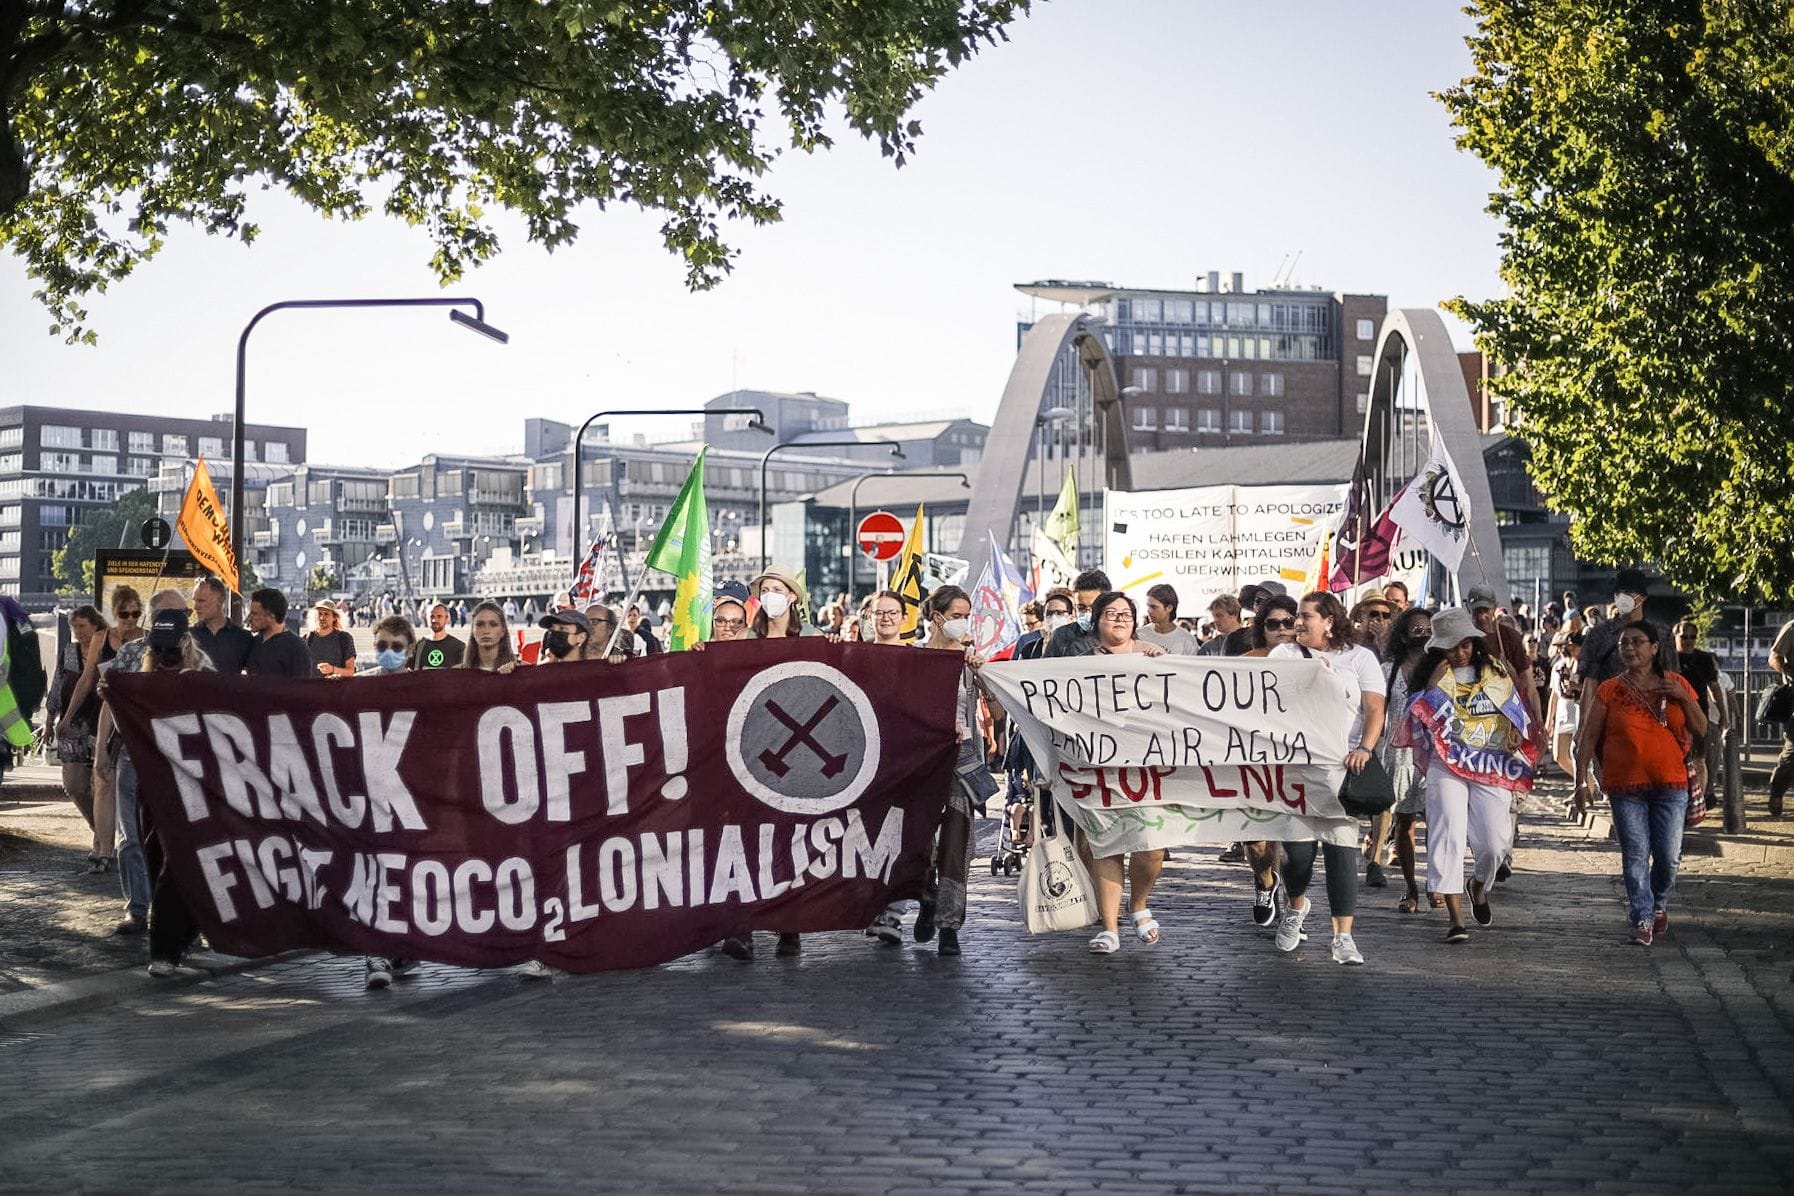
point(59, 466)
point(1220, 365)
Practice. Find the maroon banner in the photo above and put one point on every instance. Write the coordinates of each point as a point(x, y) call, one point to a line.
point(588, 815)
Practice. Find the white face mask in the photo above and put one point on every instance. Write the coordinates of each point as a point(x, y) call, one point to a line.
point(867, 632)
point(774, 603)
point(1624, 604)
point(1055, 622)
point(956, 629)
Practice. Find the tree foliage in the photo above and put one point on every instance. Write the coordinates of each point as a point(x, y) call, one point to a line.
point(119, 117)
point(1645, 152)
point(115, 526)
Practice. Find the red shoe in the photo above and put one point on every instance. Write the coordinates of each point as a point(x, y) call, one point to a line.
point(1660, 921)
point(1641, 934)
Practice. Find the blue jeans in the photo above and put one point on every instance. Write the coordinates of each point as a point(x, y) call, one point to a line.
point(133, 868)
point(1650, 834)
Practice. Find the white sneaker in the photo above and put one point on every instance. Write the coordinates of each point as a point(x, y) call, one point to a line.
point(1346, 951)
point(1289, 931)
point(161, 969)
point(887, 928)
point(535, 969)
point(379, 971)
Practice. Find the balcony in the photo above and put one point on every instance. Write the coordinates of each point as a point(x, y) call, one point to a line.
point(361, 506)
point(263, 540)
point(496, 498)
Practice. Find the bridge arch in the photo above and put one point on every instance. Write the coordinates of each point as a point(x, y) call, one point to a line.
point(1096, 431)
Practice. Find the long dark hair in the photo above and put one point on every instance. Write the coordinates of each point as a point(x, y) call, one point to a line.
point(1403, 645)
point(506, 653)
point(1421, 675)
point(1282, 602)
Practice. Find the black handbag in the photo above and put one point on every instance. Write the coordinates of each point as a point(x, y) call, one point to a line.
point(1777, 704)
point(1369, 793)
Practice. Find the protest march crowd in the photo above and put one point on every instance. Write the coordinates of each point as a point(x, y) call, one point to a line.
point(1446, 717)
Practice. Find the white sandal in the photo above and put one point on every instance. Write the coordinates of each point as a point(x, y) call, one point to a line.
point(1146, 926)
point(1105, 943)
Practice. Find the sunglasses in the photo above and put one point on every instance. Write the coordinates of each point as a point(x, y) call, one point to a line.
point(1381, 616)
point(130, 614)
point(390, 646)
point(1279, 624)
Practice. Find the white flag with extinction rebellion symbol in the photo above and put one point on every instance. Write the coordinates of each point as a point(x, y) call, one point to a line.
point(1170, 751)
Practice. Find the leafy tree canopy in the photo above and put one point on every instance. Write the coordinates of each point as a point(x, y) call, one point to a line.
point(115, 526)
point(119, 117)
point(1645, 152)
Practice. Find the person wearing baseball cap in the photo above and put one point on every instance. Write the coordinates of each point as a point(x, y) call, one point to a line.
point(567, 636)
point(728, 614)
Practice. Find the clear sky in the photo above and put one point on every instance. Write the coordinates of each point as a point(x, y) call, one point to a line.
point(1140, 142)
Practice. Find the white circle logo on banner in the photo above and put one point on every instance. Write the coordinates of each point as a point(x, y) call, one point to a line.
point(795, 734)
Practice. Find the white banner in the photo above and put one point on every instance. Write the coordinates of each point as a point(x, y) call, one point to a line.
point(1212, 540)
point(1169, 751)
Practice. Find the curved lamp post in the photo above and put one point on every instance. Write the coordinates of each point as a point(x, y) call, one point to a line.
point(475, 322)
point(896, 455)
point(853, 511)
point(757, 423)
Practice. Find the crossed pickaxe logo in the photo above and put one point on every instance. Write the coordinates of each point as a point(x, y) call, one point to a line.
point(802, 733)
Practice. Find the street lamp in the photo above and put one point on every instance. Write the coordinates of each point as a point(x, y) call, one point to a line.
point(853, 511)
point(896, 455)
point(756, 424)
point(475, 323)
point(1052, 415)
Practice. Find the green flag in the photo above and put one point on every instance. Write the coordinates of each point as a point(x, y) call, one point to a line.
point(683, 549)
point(1062, 524)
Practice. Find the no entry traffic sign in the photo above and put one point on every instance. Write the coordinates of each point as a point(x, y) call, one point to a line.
point(880, 536)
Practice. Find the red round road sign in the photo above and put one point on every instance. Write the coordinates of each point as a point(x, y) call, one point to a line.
point(880, 536)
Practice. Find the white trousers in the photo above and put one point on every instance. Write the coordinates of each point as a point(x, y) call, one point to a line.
point(1462, 813)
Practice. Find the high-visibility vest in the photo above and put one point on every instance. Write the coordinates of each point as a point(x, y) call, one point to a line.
point(13, 725)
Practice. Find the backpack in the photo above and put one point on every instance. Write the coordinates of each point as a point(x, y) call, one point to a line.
point(27, 677)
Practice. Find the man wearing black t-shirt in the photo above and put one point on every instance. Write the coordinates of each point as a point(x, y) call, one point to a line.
point(277, 651)
point(441, 650)
point(227, 645)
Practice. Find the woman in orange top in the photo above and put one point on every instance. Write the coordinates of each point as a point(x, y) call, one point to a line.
point(1643, 722)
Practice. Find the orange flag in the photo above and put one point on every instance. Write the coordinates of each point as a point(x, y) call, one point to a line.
point(205, 530)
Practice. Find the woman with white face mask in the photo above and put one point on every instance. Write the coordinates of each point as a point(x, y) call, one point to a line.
point(782, 600)
point(948, 612)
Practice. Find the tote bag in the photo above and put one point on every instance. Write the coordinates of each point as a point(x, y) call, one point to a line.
point(1055, 888)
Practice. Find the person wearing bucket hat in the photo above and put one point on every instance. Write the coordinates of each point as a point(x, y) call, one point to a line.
point(782, 603)
point(1472, 734)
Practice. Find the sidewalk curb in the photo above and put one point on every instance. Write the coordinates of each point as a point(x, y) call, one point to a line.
point(94, 992)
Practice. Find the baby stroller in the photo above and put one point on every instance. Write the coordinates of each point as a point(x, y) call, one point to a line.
point(1017, 830)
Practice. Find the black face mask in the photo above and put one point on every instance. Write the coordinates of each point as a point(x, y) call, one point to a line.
point(167, 658)
point(557, 644)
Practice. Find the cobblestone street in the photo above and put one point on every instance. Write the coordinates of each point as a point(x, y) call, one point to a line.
point(1547, 1055)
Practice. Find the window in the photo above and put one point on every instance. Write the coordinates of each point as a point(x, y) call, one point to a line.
point(280, 494)
point(1239, 421)
point(1138, 340)
point(11, 462)
point(276, 452)
point(211, 446)
point(1145, 378)
point(142, 442)
point(1364, 365)
point(1240, 384)
point(1146, 419)
point(174, 446)
point(1177, 311)
point(1146, 310)
point(1270, 423)
point(1177, 419)
point(1177, 382)
point(141, 467)
point(320, 493)
point(1363, 401)
point(9, 541)
point(1187, 343)
point(1208, 419)
point(1270, 385)
point(59, 462)
point(1264, 315)
point(1208, 382)
point(1367, 330)
point(12, 438)
point(58, 436)
point(1202, 347)
point(249, 450)
point(103, 464)
point(105, 439)
point(9, 515)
